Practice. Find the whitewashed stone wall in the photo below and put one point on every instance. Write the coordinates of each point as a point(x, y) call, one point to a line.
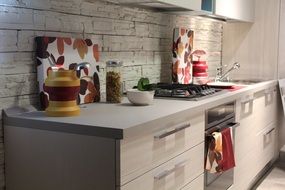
point(141, 39)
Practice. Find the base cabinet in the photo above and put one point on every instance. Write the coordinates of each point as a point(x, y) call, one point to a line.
point(196, 184)
point(45, 160)
point(174, 174)
point(256, 141)
point(167, 154)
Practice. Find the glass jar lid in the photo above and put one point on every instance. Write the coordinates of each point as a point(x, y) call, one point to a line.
point(114, 63)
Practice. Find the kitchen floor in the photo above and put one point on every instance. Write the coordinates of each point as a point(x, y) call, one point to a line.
point(275, 178)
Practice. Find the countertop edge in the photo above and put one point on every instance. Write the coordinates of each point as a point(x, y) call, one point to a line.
point(63, 127)
point(117, 133)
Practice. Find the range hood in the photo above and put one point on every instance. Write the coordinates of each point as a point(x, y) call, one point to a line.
point(165, 5)
point(225, 10)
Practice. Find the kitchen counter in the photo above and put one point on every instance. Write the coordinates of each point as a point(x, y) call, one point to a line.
point(121, 120)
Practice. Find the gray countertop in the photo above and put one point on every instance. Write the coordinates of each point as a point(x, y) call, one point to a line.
point(112, 120)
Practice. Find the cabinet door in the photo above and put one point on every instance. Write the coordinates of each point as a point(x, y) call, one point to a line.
point(245, 145)
point(282, 92)
point(159, 142)
point(255, 143)
point(196, 184)
point(267, 140)
point(264, 108)
point(189, 4)
point(174, 174)
point(235, 9)
point(281, 55)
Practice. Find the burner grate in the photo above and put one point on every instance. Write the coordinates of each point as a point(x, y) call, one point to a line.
point(184, 91)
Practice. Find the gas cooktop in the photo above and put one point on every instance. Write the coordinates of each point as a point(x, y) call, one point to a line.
point(185, 91)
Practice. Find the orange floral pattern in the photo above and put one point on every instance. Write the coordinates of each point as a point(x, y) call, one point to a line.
point(81, 47)
point(60, 44)
point(65, 53)
point(96, 52)
point(182, 48)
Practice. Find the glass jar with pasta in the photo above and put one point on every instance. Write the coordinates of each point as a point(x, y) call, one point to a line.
point(113, 81)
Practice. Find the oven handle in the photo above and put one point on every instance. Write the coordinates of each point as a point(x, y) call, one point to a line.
point(235, 124)
point(168, 133)
point(218, 128)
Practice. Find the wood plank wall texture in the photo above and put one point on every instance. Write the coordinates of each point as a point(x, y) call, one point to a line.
point(141, 39)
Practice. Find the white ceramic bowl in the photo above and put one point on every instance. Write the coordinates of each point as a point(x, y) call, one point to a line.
point(140, 98)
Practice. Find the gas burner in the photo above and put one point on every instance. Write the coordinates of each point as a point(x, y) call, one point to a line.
point(184, 91)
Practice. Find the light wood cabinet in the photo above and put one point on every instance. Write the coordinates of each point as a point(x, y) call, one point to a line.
point(190, 4)
point(165, 154)
point(235, 9)
point(256, 137)
point(267, 141)
point(196, 184)
point(159, 143)
point(281, 55)
point(162, 154)
point(254, 45)
point(265, 108)
point(173, 174)
point(170, 5)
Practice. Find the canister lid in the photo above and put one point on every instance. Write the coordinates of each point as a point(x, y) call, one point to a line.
point(114, 63)
point(199, 62)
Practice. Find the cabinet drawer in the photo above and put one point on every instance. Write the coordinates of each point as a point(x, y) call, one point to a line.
point(196, 184)
point(164, 141)
point(259, 110)
point(172, 175)
point(245, 171)
point(254, 152)
point(267, 144)
point(265, 108)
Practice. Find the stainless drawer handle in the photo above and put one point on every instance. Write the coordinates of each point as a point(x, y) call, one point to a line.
point(269, 91)
point(247, 100)
point(165, 173)
point(268, 132)
point(177, 129)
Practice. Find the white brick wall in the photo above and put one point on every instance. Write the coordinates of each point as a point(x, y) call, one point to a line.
point(141, 39)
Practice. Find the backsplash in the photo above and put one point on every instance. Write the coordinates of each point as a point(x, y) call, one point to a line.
point(140, 38)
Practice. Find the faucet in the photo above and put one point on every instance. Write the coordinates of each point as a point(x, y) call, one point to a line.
point(220, 76)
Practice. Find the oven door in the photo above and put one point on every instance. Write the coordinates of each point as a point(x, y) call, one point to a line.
point(220, 181)
point(220, 114)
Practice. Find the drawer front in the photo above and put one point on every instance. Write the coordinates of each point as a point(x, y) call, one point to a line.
point(253, 152)
point(196, 184)
point(265, 108)
point(258, 111)
point(267, 144)
point(245, 171)
point(145, 152)
point(172, 175)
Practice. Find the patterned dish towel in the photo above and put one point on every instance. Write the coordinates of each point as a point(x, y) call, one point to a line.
point(220, 154)
point(228, 160)
point(215, 152)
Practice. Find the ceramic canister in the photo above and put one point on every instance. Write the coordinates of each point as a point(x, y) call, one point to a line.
point(200, 74)
point(63, 88)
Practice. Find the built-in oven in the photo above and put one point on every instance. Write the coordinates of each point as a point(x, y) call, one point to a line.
point(218, 119)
